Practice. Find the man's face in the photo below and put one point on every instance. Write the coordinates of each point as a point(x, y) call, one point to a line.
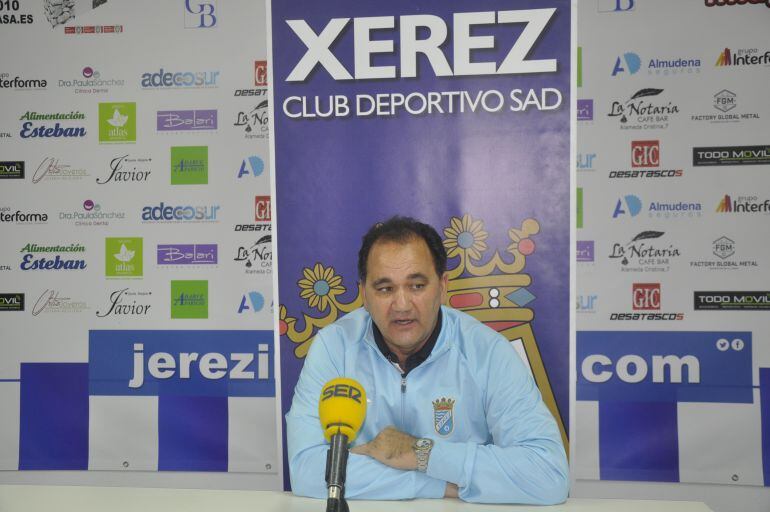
point(403, 293)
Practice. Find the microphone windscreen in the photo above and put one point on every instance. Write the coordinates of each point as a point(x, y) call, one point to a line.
point(342, 408)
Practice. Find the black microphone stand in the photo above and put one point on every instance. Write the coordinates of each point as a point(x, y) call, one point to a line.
point(336, 469)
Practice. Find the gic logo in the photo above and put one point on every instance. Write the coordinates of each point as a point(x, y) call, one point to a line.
point(262, 209)
point(646, 296)
point(645, 153)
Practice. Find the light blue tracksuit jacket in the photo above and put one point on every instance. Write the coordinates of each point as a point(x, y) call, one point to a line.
point(500, 445)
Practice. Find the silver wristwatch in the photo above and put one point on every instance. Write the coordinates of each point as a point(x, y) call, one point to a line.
point(422, 447)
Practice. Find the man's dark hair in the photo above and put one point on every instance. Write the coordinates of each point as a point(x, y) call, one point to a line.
point(402, 230)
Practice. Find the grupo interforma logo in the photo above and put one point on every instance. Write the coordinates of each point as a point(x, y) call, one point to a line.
point(731, 155)
point(732, 301)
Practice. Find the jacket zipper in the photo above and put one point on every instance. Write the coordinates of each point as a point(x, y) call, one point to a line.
point(403, 398)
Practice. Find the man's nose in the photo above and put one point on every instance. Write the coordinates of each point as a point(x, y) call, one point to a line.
point(401, 300)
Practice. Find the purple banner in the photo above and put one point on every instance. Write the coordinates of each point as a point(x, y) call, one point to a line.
point(455, 113)
point(187, 254)
point(186, 120)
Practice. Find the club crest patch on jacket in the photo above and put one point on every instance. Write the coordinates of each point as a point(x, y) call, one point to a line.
point(443, 416)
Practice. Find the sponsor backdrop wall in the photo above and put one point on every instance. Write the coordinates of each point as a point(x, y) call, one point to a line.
point(467, 129)
point(136, 342)
point(673, 361)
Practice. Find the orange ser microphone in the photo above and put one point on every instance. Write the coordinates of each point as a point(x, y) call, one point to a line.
point(341, 409)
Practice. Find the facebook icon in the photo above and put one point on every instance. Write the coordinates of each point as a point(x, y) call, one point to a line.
point(199, 14)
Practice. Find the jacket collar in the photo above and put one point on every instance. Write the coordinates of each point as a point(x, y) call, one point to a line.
point(437, 344)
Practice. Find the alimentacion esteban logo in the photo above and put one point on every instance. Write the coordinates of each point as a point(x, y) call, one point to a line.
point(32, 128)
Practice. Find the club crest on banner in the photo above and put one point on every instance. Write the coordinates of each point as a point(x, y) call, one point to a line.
point(443, 416)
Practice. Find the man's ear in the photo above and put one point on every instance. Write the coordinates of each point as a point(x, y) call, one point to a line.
point(444, 285)
point(362, 293)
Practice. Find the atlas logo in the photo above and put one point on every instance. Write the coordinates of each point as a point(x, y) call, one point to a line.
point(645, 153)
point(200, 14)
point(319, 45)
point(630, 60)
point(646, 296)
point(627, 205)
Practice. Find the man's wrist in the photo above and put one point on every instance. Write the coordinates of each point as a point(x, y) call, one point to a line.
point(422, 447)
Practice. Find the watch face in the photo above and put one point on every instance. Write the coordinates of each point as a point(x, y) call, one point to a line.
point(423, 443)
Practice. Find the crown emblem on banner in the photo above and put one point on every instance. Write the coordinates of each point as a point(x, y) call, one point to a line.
point(443, 404)
point(494, 292)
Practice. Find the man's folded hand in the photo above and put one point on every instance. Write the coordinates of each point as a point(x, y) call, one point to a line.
point(392, 448)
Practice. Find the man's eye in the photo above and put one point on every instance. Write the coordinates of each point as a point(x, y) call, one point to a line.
point(384, 289)
point(419, 286)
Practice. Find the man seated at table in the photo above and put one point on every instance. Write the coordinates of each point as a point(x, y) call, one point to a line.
point(452, 409)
